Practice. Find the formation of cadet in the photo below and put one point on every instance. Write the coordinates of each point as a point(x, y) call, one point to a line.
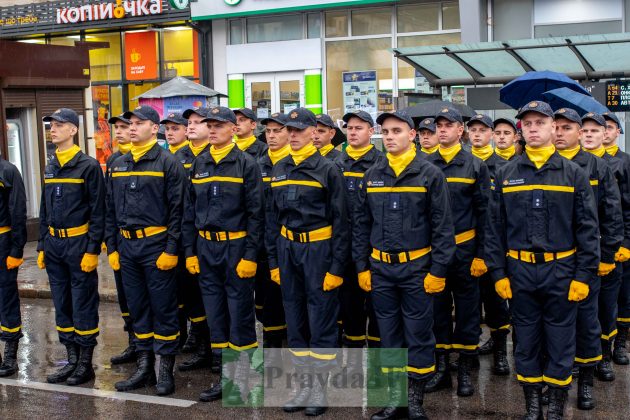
point(329, 248)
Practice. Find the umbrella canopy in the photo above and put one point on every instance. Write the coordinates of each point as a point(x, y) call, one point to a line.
point(533, 84)
point(339, 137)
point(567, 98)
point(179, 86)
point(432, 108)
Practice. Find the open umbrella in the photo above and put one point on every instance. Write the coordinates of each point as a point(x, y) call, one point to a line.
point(567, 98)
point(533, 84)
point(431, 108)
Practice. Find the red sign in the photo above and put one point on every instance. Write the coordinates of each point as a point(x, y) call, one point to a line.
point(141, 56)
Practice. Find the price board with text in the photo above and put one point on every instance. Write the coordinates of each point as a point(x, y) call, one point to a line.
point(618, 95)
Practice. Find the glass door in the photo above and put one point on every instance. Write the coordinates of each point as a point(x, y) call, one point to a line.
point(266, 93)
point(290, 88)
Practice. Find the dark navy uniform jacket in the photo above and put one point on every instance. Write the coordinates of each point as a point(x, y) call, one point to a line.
point(266, 167)
point(185, 156)
point(620, 165)
point(257, 150)
point(13, 207)
point(333, 155)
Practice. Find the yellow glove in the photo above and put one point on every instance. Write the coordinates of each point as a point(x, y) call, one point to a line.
point(192, 265)
point(331, 282)
point(114, 260)
point(89, 262)
point(365, 280)
point(578, 291)
point(434, 284)
point(246, 269)
point(40, 260)
point(503, 288)
point(478, 267)
point(622, 255)
point(275, 275)
point(604, 269)
point(13, 262)
point(166, 261)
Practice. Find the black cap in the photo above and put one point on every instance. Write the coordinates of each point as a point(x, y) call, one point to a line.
point(175, 117)
point(427, 124)
point(450, 114)
point(612, 117)
point(277, 117)
point(592, 116)
point(301, 118)
point(201, 111)
point(365, 116)
point(144, 112)
point(399, 115)
point(568, 114)
point(220, 113)
point(535, 106)
point(505, 121)
point(120, 118)
point(63, 115)
point(325, 119)
point(483, 119)
point(247, 113)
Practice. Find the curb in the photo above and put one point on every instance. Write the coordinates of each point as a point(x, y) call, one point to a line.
point(27, 293)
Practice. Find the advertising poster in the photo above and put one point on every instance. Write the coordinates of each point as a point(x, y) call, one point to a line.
point(102, 137)
point(141, 56)
point(360, 91)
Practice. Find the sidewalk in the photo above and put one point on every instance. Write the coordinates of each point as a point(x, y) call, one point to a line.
point(33, 282)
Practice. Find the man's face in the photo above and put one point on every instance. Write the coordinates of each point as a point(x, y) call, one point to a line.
point(504, 136)
point(277, 136)
point(197, 130)
point(428, 138)
point(397, 136)
point(174, 133)
point(593, 137)
point(568, 134)
point(244, 126)
point(479, 134)
point(611, 134)
point(62, 132)
point(220, 133)
point(323, 135)
point(448, 132)
point(538, 129)
point(142, 130)
point(121, 132)
point(358, 132)
point(300, 138)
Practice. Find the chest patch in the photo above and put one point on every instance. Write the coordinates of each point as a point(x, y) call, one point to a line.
point(376, 183)
point(509, 182)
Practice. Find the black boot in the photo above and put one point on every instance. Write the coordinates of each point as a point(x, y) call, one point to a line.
point(318, 401)
point(201, 359)
point(604, 369)
point(464, 381)
point(416, 399)
point(442, 377)
point(545, 397)
point(192, 341)
point(9, 365)
point(166, 381)
point(486, 348)
point(501, 366)
point(64, 373)
point(84, 371)
point(585, 388)
point(474, 363)
point(272, 351)
point(128, 355)
point(305, 380)
point(394, 409)
point(533, 402)
point(239, 390)
point(354, 364)
point(144, 374)
point(216, 391)
point(557, 398)
point(620, 354)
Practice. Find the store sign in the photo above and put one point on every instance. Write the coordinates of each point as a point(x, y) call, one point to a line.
point(105, 11)
point(360, 92)
point(19, 20)
point(140, 56)
point(179, 4)
point(618, 95)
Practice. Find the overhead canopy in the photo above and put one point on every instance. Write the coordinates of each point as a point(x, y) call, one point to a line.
point(179, 86)
point(580, 57)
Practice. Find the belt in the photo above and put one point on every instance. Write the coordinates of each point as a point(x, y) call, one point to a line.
point(465, 236)
point(222, 236)
point(539, 257)
point(320, 234)
point(68, 232)
point(142, 233)
point(401, 257)
point(5, 229)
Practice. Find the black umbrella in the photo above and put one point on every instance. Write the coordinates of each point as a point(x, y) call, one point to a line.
point(432, 108)
point(339, 137)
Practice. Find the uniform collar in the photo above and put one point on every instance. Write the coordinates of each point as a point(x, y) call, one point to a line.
point(554, 161)
point(71, 163)
point(151, 154)
point(230, 157)
point(369, 156)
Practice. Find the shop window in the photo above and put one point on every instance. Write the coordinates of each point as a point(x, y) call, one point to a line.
point(314, 25)
point(450, 16)
point(105, 63)
point(179, 52)
point(65, 40)
point(418, 17)
point(371, 21)
point(336, 24)
point(236, 32)
point(135, 90)
point(275, 28)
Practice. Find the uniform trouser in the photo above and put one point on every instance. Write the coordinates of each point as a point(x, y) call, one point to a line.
point(311, 312)
point(151, 294)
point(496, 312)
point(588, 345)
point(356, 312)
point(623, 312)
point(405, 313)
point(189, 302)
point(227, 298)
point(608, 296)
point(74, 292)
point(268, 301)
point(544, 321)
point(122, 301)
point(10, 318)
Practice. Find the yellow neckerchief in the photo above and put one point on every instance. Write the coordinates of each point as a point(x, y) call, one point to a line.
point(175, 148)
point(612, 150)
point(400, 162)
point(279, 154)
point(506, 153)
point(197, 149)
point(448, 153)
point(300, 155)
point(483, 152)
point(326, 149)
point(67, 155)
point(357, 154)
point(219, 154)
point(569, 153)
point(599, 152)
point(138, 151)
point(244, 144)
point(539, 155)
point(430, 150)
point(124, 148)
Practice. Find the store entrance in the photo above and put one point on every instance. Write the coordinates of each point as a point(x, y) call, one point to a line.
point(266, 93)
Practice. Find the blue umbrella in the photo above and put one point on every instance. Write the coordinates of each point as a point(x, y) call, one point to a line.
point(567, 98)
point(533, 84)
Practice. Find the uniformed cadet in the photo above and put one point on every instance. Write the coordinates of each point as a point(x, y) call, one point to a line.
point(505, 138)
point(145, 208)
point(497, 317)
point(403, 242)
point(542, 251)
point(71, 227)
point(429, 142)
point(312, 249)
point(120, 127)
point(620, 163)
point(175, 131)
point(244, 136)
point(597, 308)
point(468, 183)
point(12, 241)
point(324, 134)
point(223, 231)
